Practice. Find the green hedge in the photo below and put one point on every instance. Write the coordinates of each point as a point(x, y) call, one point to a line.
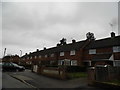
point(75, 69)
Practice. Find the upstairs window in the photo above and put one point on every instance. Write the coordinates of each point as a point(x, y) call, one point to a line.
point(35, 57)
point(61, 53)
point(46, 56)
point(30, 57)
point(72, 52)
point(52, 55)
point(39, 56)
point(92, 51)
point(116, 49)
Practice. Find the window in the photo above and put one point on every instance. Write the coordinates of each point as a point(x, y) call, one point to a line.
point(61, 62)
point(27, 57)
point(39, 56)
point(67, 62)
point(30, 57)
point(116, 49)
point(72, 52)
point(46, 56)
point(61, 53)
point(39, 62)
point(74, 62)
point(92, 51)
point(52, 55)
point(116, 63)
point(30, 62)
point(35, 57)
point(52, 62)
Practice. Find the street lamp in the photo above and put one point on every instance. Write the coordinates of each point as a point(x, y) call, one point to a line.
point(20, 53)
point(4, 52)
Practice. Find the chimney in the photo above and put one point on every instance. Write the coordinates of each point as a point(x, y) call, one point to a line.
point(58, 44)
point(112, 34)
point(37, 50)
point(73, 41)
point(44, 48)
point(25, 53)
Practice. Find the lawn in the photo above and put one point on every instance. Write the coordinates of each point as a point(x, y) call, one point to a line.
point(114, 82)
point(77, 75)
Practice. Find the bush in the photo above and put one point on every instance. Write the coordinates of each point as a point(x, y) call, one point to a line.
point(75, 69)
point(76, 75)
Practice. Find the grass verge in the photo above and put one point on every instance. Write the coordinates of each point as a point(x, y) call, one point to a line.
point(76, 75)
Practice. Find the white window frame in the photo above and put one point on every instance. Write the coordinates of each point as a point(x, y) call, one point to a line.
point(46, 56)
point(31, 57)
point(60, 62)
point(62, 53)
point(67, 62)
point(92, 51)
point(30, 62)
point(27, 57)
point(72, 52)
point(35, 57)
point(73, 62)
point(116, 49)
point(39, 56)
point(52, 55)
point(116, 63)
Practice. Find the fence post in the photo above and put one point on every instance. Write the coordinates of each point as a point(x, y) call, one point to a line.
point(91, 75)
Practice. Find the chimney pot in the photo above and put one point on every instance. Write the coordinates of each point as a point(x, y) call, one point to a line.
point(44, 48)
point(37, 50)
point(112, 34)
point(73, 41)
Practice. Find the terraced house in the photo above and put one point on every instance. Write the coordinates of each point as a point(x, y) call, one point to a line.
point(89, 52)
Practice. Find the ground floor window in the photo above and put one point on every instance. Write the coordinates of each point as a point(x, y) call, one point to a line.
point(74, 62)
point(67, 62)
point(116, 63)
point(87, 63)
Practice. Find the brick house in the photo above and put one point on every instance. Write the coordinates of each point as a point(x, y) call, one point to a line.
point(11, 58)
point(87, 52)
point(104, 51)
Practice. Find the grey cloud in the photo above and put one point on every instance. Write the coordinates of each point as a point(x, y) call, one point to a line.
point(35, 25)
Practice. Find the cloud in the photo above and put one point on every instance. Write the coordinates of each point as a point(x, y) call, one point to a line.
point(31, 25)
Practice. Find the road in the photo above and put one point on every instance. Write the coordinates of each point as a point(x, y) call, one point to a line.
point(38, 81)
point(10, 82)
point(0, 80)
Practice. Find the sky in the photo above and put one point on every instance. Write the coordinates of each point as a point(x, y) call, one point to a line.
point(27, 26)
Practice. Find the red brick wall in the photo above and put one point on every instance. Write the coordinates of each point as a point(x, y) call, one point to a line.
point(104, 50)
point(117, 56)
point(68, 56)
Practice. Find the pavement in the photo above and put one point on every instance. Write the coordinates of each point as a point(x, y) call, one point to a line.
point(10, 82)
point(38, 81)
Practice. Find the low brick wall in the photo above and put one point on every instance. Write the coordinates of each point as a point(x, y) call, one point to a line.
point(105, 85)
point(52, 72)
point(91, 75)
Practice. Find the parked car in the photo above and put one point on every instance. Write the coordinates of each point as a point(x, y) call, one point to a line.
point(9, 66)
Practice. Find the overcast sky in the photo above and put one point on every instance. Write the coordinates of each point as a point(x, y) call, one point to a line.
point(28, 26)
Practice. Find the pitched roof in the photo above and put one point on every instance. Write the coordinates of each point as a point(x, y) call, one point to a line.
point(62, 48)
point(106, 42)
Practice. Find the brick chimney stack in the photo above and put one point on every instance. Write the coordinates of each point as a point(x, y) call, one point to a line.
point(112, 34)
